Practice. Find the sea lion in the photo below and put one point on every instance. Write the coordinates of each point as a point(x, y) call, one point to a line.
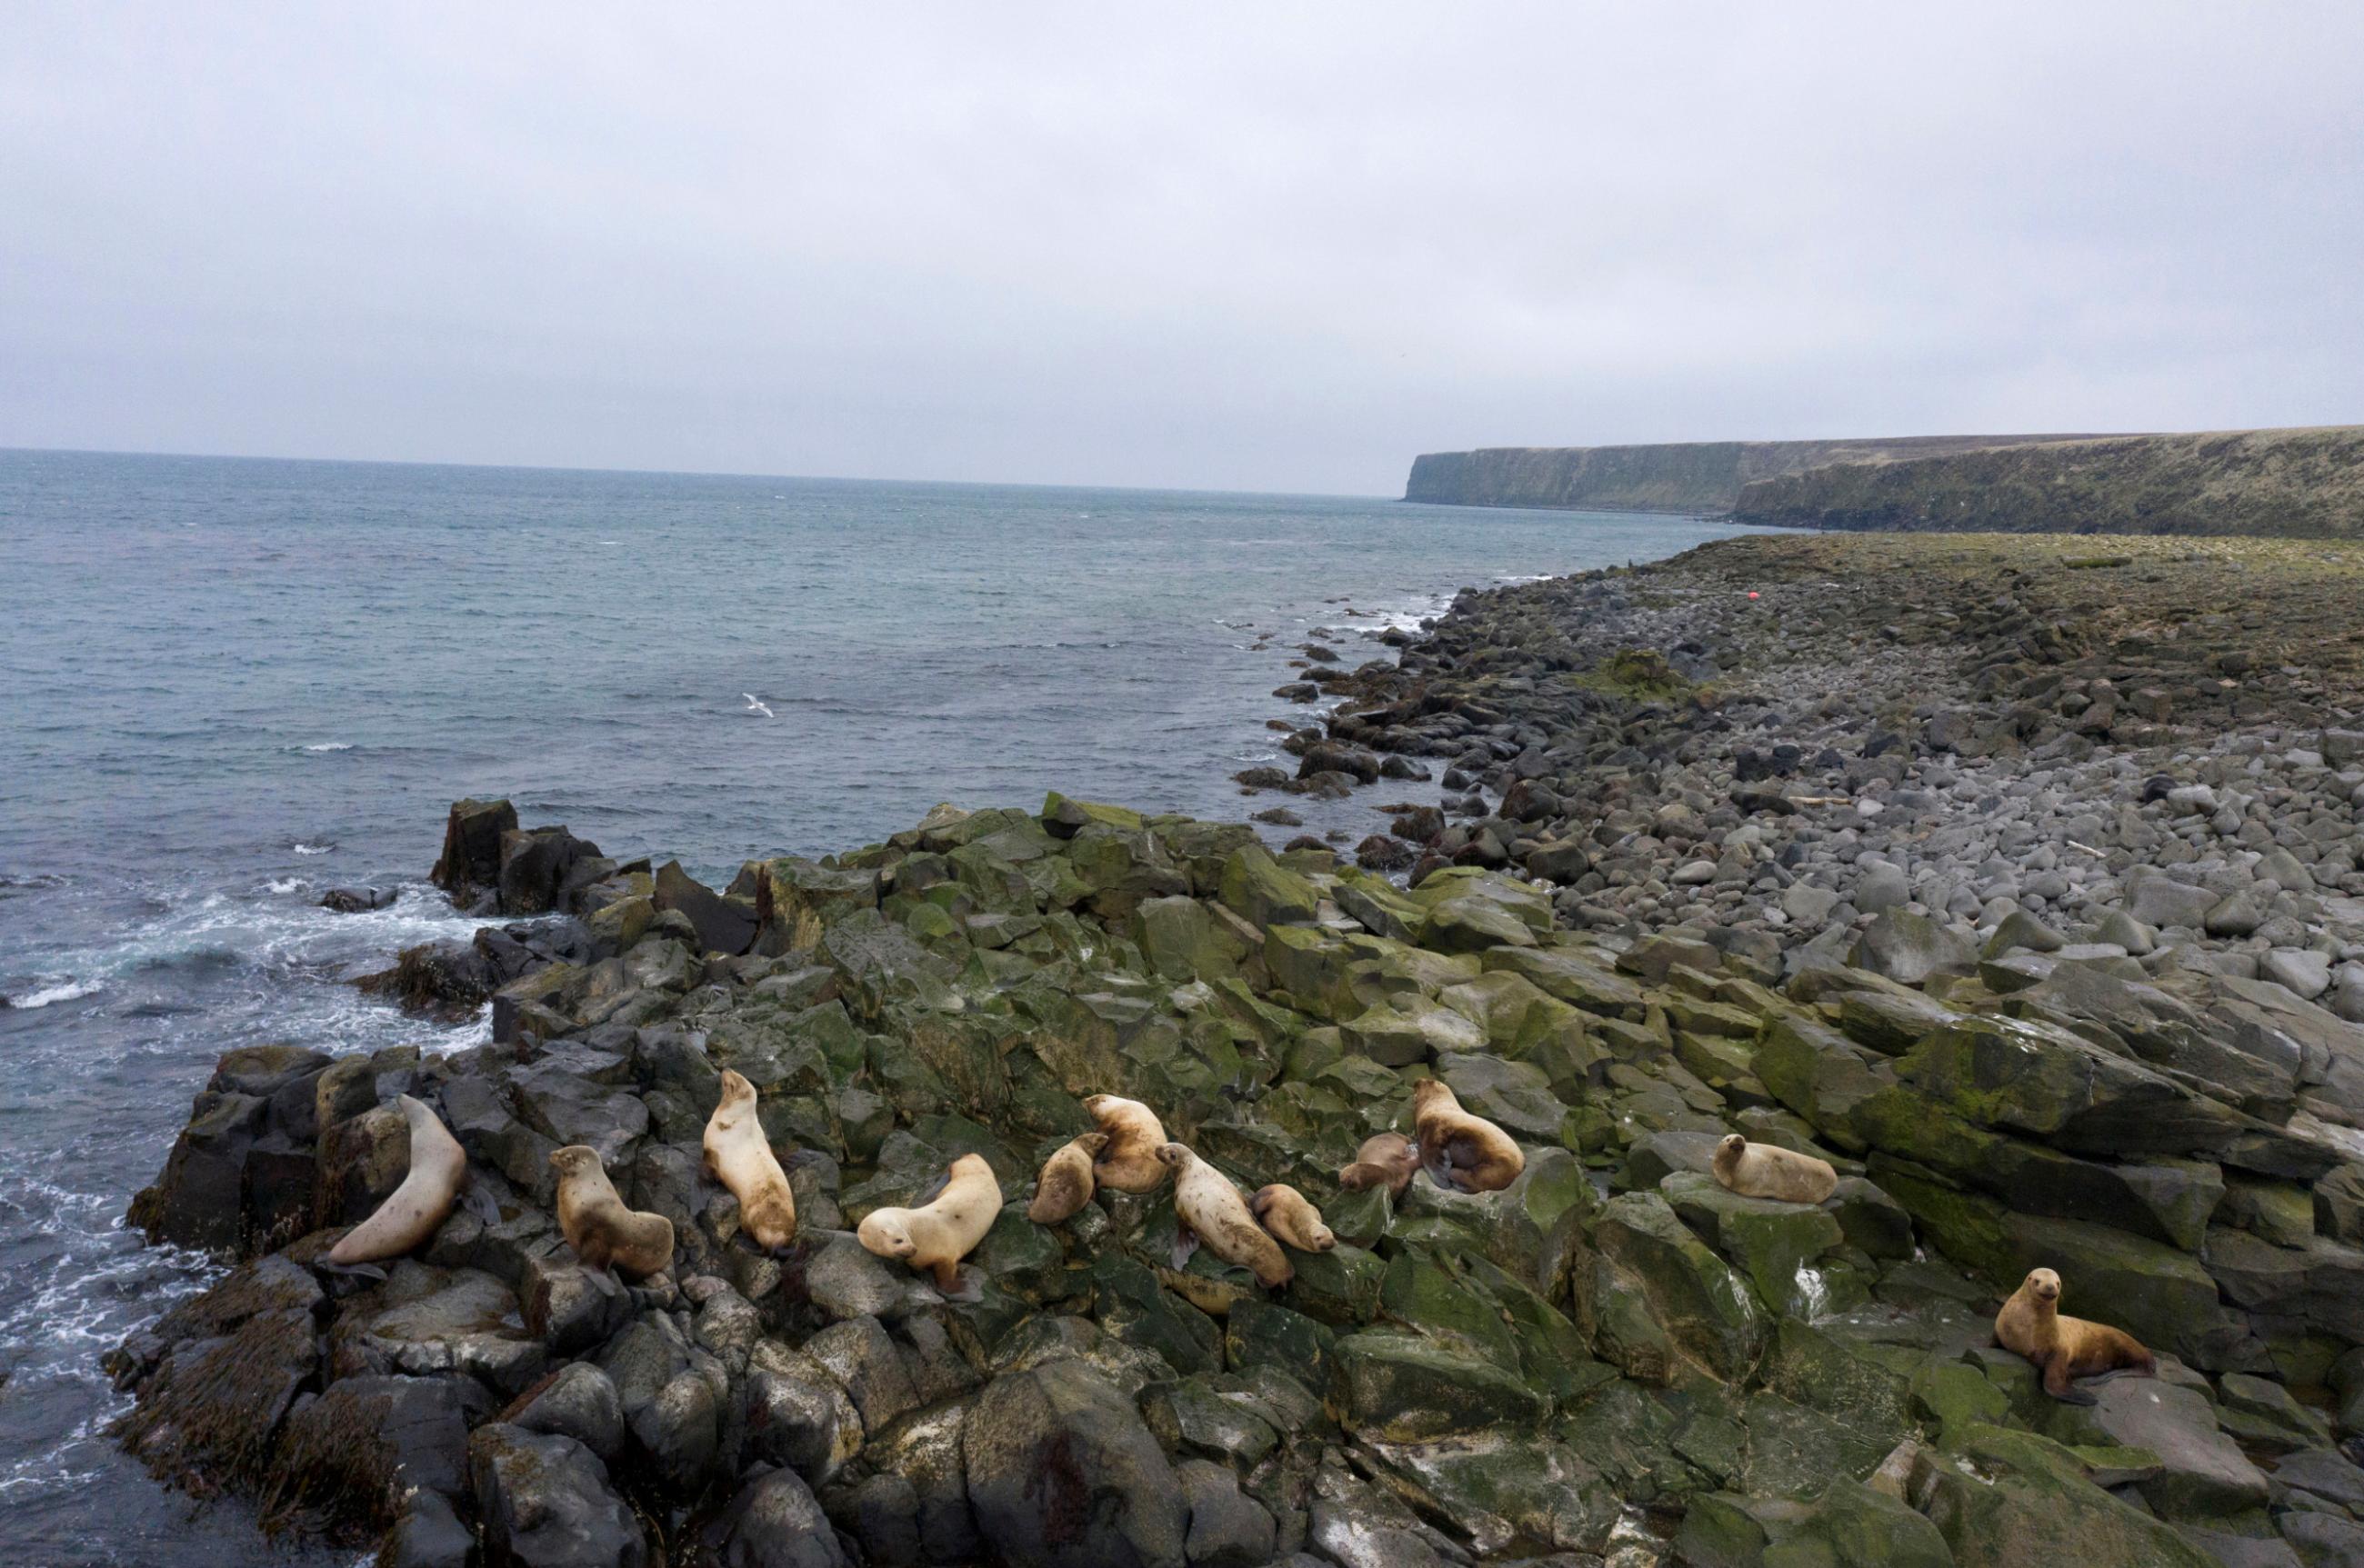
point(739, 1157)
point(1129, 1161)
point(1065, 1183)
point(1388, 1161)
point(939, 1235)
point(1465, 1152)
point(1211, 1209)
point(412, 1211)
point(603, 1232)
point(1284, 1211)
point(1765, 1170)
point(2065, 1349)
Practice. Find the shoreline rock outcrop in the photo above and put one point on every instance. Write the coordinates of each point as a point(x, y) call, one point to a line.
point(1616, 1358)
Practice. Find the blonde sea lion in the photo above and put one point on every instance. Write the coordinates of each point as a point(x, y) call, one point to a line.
point(938, 1236)
point(1211, 1209)
point(1285, 1213)
point(1465, 1152)
point(603, 1232)
point(2065, 1349)
point(1065, 1183)
point(412, 1211)
point(1387, 1161)
point(1129, 1161)
point(739, 1157)
point(1765, 1170)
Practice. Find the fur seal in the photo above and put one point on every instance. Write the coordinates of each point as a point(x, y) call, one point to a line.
point(2065, 1349)
point(603, 1232)
point(1065, 1183)
point(939, 1235)
point(1129, 1161)
point(1212, 1210)
point(739, 1157)
point(1283, 1210)
point(1765, 1170)
point(1465, 1152)
point(1388, 1161)
point(412, 1211)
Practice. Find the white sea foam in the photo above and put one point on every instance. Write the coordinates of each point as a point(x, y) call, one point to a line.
point(331, 746)
point(283, 885)
point(62, 991)
point(314, 849)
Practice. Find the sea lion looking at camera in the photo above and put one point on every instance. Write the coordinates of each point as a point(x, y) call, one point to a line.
point(1211, 1208)
point(1285, 1213)
point(1764, 1169)
point(1065, 1183)
point(603, 1232)
point(2065, 1349)
point(1129, 1161)
point(738, 1156)
point(410, 1213)
point(1387, 1161)
point(1465, 1152)
point(937, 1236)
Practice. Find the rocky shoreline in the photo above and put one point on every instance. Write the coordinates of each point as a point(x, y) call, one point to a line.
point(2016, 877)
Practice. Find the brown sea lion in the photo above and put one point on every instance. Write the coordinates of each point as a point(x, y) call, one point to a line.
point(603, 1232)
point(1129, 1161)
point(939, 1235)
point(1065, 1183)
point(1765, 1170)
point(1465, 1152)
point(1387, 1161)
point(2065, 1349)
point(410, 1213)
point(1211, 1209)
point(738, 1156)
point(1284, 1211)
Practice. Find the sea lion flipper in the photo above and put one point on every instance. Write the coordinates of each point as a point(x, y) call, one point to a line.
point(1186, 1243)
point(477, 1201)
point(351, 1271)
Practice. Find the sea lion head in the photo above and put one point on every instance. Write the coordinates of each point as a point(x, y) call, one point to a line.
point(2043, 1284)
point(1177, 1155)
point(970, 1165)
point(1732, 1145)
point(575, 1159)
point(735, 1087)
point(1092, 1142)
point(1319, 1236)
point(883, 1233)
point(1094, 1106)
point(1430, 1093)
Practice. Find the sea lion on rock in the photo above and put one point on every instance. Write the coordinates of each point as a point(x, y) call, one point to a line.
point(1387, 1161)
point(1129, 1163)
point(1065, 1183)
point(938, 1236)
point(1211, 1208)
point(1465, 1152)
point(739, 1157)
point(1284, 1211)
point(412, 1211)
point(1765, 1170)
point(2065, 1349)
point(603, 1232)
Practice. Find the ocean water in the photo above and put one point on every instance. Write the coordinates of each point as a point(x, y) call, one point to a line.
point(226, 686)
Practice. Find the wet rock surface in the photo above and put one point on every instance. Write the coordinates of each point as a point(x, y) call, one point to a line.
point(1997, 1005)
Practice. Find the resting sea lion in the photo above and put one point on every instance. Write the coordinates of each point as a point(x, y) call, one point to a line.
point(2065, 1349)
point(1465, 1152)
point(1129, 1161)
point(1065, 1183)
point(1283, 1210)
point(603, 1232)
point(412, 1211)
point(939, 1235)
point(1387, 1161)
point(1212, 1210)
point(739, 1157)
point(1764, 1169)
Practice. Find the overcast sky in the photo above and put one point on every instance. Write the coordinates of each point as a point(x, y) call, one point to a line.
point(1255, 247)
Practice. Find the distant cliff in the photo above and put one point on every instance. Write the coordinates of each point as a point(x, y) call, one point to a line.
point(2306, 483)
point(1688, 476)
